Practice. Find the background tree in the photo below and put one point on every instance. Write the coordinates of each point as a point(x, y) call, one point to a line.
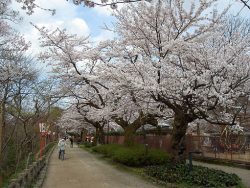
point(20, 104)
point(184, 60)
point(29, 6)
point(75, 64)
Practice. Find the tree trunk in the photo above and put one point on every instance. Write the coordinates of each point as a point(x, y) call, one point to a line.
point(2, 133)
point(130, 128)
point(96, 136)
point(129, 135)
point(101, 135)
point(1, 145)
point(178, 137)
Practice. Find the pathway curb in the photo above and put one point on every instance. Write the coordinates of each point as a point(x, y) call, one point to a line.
point(42, 175)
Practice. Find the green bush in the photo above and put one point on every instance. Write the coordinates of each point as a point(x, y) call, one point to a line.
point(115, 133)
point(200, 176)
point(131, 156)
point(157, 157)
point(106, 150)
point(134, 155)
point(88, 144)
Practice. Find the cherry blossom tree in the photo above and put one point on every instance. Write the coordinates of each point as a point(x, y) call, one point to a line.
point(76, 64)
point(73, 61)
point(128, 107)
point(72, 120)
point(10, 57)
point(21, 106)
point(181, 57)
point(17, 79)
point(30, 5)
point(185, 59)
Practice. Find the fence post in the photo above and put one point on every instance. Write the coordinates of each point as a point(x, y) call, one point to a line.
point(28, 160)
point(29, 175)
point(20, 181)
point(231, 149)
point(14, 184)
point(23, 180)
point(215, 151)
point(190, 157)
point(35, 171)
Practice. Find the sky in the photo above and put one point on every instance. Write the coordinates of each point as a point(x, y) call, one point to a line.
point(76, 19)
point(80, 20)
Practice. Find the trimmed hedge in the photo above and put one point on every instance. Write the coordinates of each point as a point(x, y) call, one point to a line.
point(134, 155)
point(199, 176)
point(88, 144)
point(106, 150)
point(115, 133)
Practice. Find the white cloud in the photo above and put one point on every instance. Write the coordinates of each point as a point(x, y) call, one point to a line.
point(78, 26)
point(65, 17)
point(102, 10)
point(105, 11)
point(104, 35)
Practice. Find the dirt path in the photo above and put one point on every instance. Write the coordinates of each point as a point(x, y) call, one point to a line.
point(81, 169)
point(244, 174)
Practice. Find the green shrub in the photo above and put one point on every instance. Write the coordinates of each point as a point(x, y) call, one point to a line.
point(133, 156)
point(88, 144)
point(115, 133)
point(157, 157)
point(200, 176)
point(107, 150)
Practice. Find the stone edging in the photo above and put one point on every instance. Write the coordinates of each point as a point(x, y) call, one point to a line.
point(42, 175)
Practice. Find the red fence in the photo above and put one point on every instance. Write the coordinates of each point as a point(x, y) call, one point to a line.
point(213, 147)
point(210, 146)
point(153, 141)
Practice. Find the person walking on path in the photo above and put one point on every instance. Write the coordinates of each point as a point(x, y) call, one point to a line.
point(61, 146)
point(71, 142)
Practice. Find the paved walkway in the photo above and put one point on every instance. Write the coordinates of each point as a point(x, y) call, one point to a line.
point(82, 169)
point(244, 174)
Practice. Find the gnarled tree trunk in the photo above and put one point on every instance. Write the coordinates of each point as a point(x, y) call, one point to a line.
point(129, 135)
point(100, 138)
point(180, 125)
point(1, 144)
point(130, 129)
point(2, 134)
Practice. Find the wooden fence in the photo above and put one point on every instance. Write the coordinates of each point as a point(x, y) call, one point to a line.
point(29, 176)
